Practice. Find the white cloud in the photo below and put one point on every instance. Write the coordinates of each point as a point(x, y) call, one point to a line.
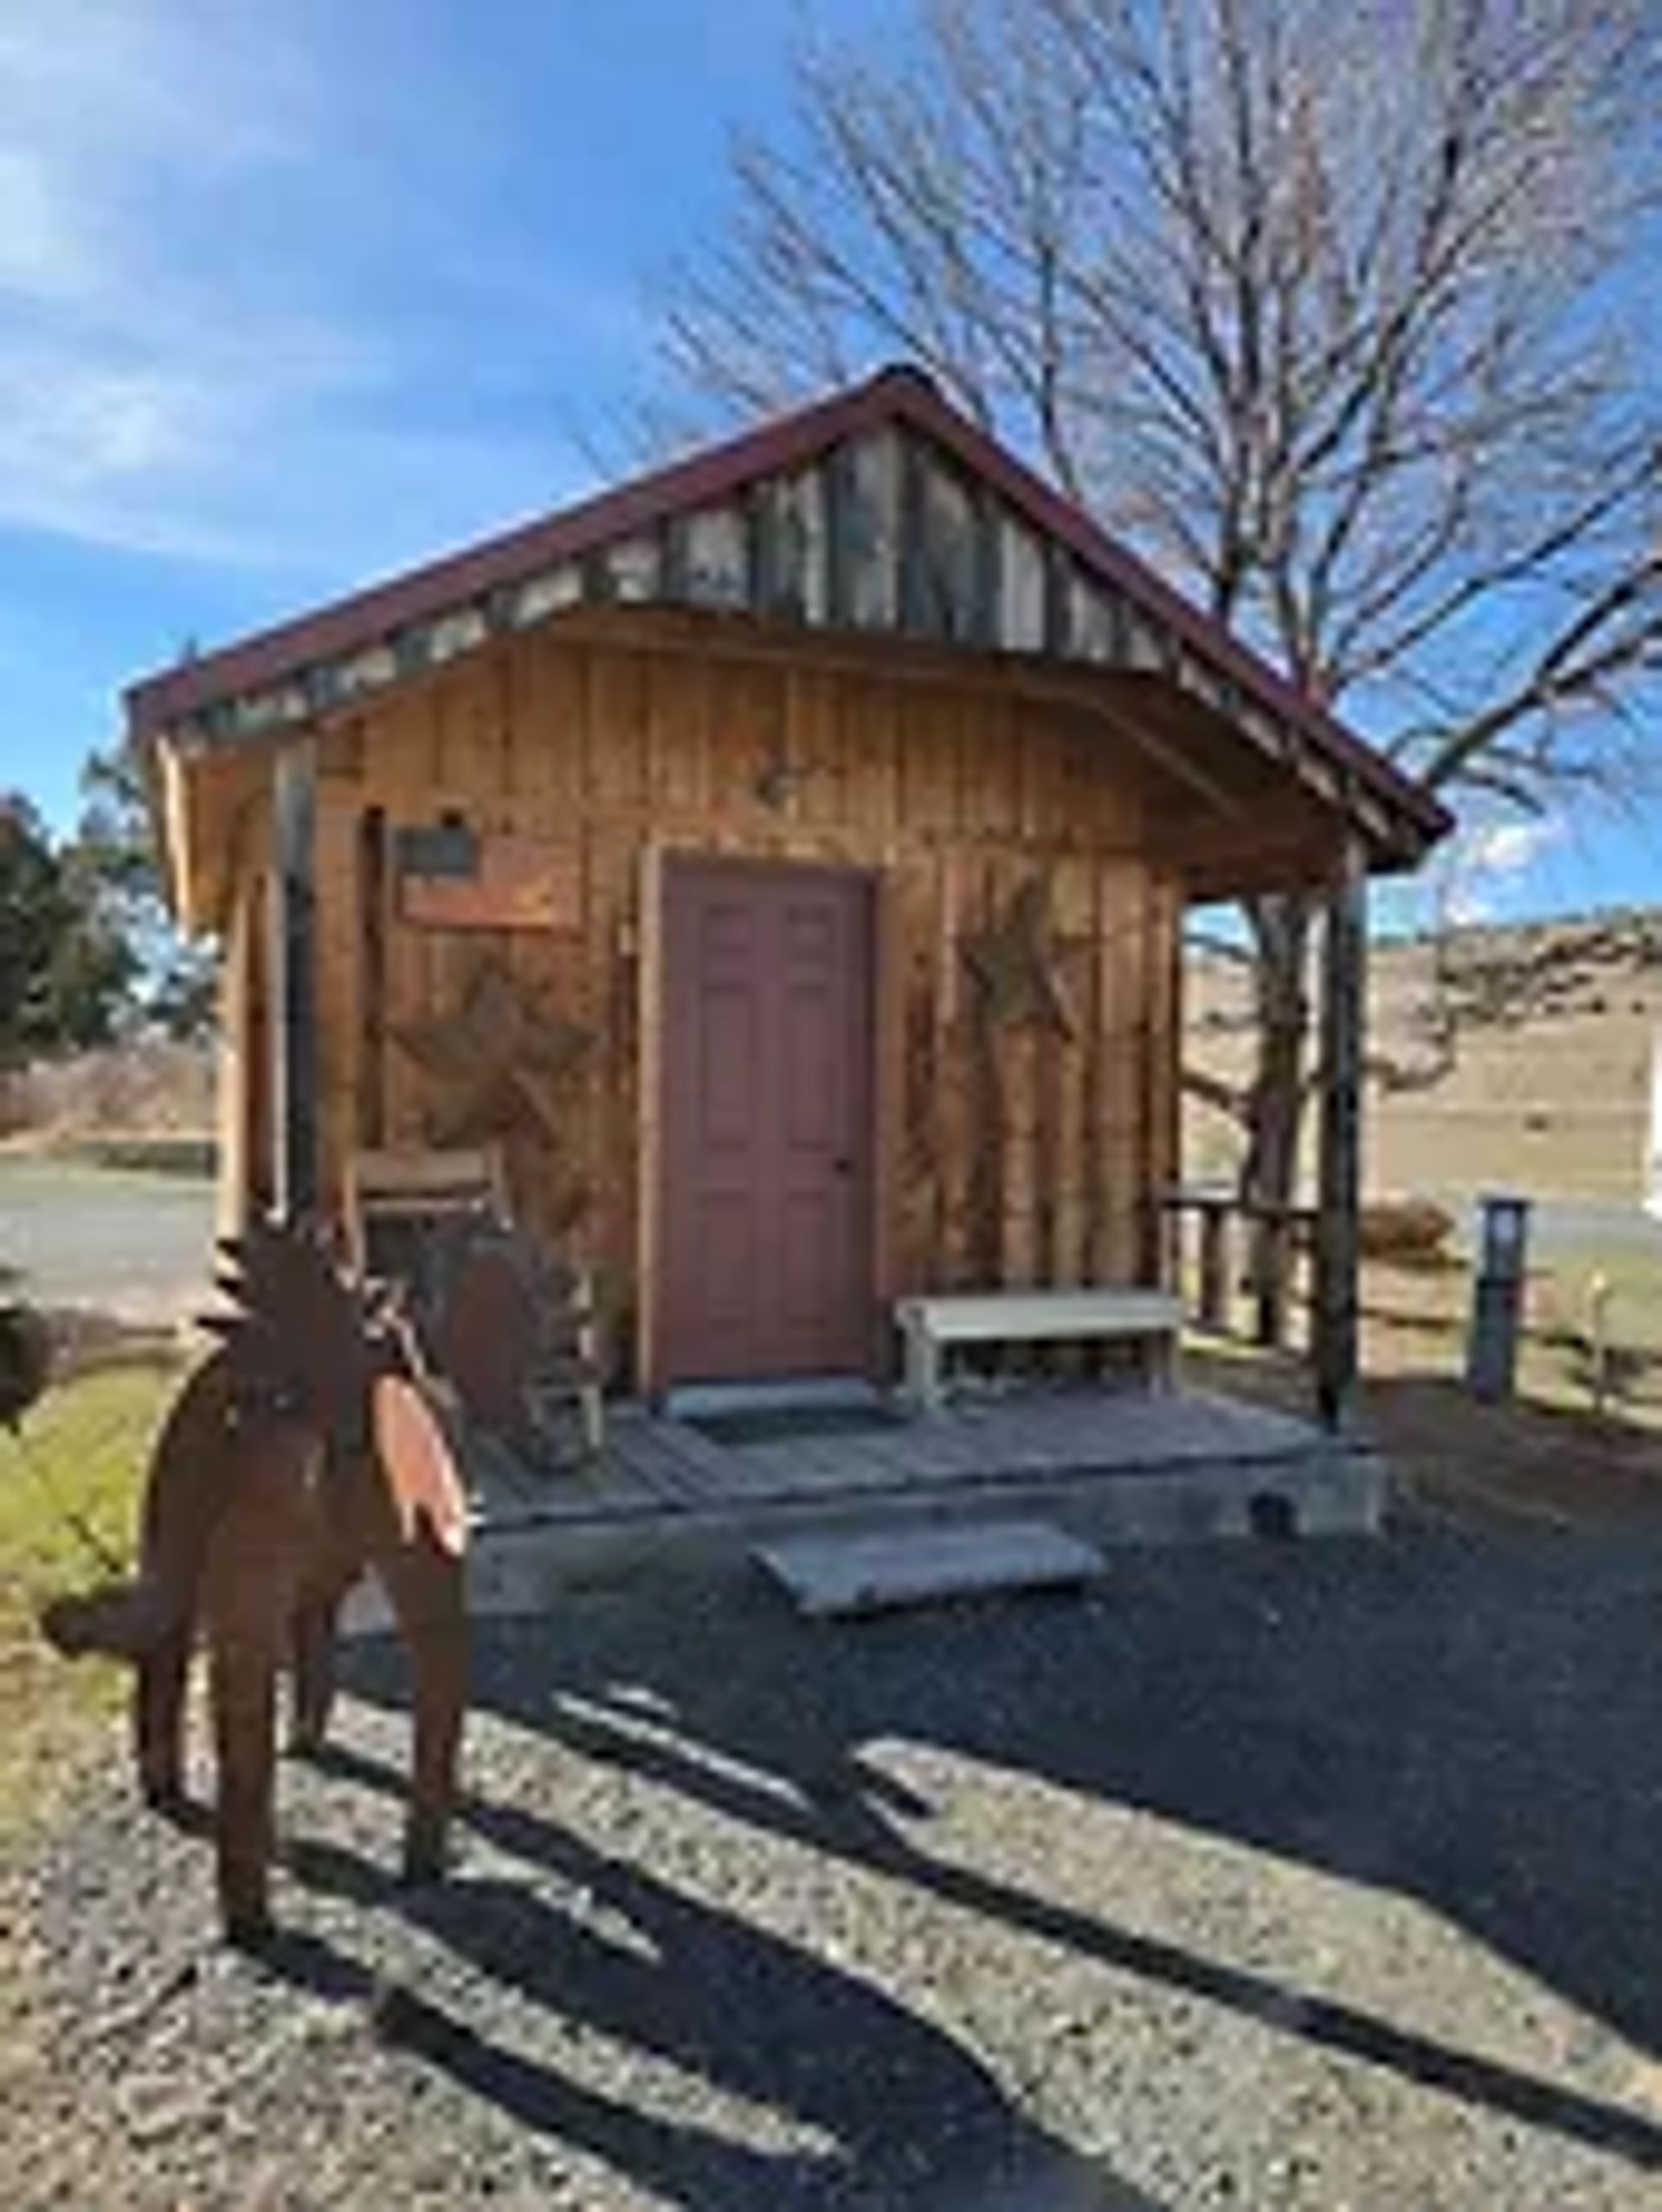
point(1508, 848)
point(1488, 865)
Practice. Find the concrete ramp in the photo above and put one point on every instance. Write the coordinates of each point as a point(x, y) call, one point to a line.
point(830, 1576)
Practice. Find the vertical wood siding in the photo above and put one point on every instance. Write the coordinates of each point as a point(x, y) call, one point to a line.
point(1020, 1156)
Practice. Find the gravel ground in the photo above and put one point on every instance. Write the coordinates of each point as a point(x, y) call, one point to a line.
point(1265, 1877)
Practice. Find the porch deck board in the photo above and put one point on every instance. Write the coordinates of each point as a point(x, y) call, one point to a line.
point(662, 1468)
point(665, 1459)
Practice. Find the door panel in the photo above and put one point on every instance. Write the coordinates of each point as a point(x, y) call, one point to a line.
point(767, 1102)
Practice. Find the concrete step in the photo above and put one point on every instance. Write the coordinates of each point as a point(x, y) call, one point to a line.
point(876, 1571)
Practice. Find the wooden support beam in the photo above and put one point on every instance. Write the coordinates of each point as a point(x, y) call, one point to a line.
point(1212, 1308)
point(235, 1074)
point(1272, 1278)
point(374, 896)
point(1166, 755)
point(294, 970)
point(1338, 1247)
point(650, 1111)
point(173, 774)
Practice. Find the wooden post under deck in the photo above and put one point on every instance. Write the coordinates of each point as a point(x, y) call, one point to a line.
point(1337, 1253)
point(1213, 1308)
point(294, 973)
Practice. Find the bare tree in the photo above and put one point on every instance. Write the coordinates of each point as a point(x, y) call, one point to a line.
point(1335, 308)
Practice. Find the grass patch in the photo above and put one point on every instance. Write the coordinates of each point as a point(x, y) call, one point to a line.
point(164, 1152)
point(1412, 1324)
point(86, 1445)
point(181, 1153)
point(1415, 1320)
point(1549, 1455)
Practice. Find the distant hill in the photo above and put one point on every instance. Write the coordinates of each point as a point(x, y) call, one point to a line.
point(1515, 1056)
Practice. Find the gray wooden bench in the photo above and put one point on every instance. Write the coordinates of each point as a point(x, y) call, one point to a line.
point(929, 1325)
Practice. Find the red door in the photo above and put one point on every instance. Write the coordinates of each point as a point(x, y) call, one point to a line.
point(767, 1145)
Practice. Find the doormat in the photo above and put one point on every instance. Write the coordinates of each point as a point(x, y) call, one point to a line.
point(768, 1424)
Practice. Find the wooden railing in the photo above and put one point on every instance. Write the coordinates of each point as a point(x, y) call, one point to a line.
point(1268, 1243)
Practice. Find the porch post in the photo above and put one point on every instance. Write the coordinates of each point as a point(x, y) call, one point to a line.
point(1343, 981)
point(294, 975)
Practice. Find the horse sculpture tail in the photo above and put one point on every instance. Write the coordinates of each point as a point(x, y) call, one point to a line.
point(25, 1361)
point(118, 1620)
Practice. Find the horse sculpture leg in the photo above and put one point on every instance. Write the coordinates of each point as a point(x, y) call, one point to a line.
point(426, 1586)
point(242, 1678)
point(158, 1691)
point(314, 1674)
point(330, 1574)
point(251, 1582)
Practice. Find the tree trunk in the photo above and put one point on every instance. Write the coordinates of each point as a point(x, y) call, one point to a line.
point(14, 1098)
point(1280, 926)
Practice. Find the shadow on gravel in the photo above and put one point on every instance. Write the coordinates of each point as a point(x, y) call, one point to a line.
point(1476, 1725)
point(715, 1996)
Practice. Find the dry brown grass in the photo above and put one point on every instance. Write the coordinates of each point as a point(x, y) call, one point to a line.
point(151, 1087)
point(1550, 1456)
point(1548, 1087)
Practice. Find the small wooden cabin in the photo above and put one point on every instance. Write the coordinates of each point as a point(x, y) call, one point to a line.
point(783, 857)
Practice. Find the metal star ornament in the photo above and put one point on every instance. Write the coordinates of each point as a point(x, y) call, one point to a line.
point(499, 1059)
point(1016, 960)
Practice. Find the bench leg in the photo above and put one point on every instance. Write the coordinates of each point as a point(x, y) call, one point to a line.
point(923, 1369)
point(1163, 1364)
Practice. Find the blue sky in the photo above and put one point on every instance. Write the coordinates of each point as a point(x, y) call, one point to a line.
point(293, 292)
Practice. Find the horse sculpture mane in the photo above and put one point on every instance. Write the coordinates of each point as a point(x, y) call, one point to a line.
point(300, 1451)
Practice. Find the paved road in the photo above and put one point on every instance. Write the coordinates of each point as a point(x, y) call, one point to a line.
point(1577, 1224)
point(137, 1246)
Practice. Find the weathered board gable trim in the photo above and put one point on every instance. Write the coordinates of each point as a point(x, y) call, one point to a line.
point(881, 511)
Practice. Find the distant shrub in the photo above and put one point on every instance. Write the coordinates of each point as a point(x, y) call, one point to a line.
point(1409, 1233)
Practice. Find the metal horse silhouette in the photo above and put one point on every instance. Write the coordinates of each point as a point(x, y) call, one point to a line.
point(300, 1451)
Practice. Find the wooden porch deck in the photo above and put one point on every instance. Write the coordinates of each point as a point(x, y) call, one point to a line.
point(1109, 1465)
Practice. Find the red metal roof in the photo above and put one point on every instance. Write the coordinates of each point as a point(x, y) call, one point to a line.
point(896, 395)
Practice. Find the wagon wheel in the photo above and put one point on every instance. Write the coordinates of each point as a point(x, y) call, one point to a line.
point(514, 1337)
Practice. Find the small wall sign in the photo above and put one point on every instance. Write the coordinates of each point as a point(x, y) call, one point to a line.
point(450, 877)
